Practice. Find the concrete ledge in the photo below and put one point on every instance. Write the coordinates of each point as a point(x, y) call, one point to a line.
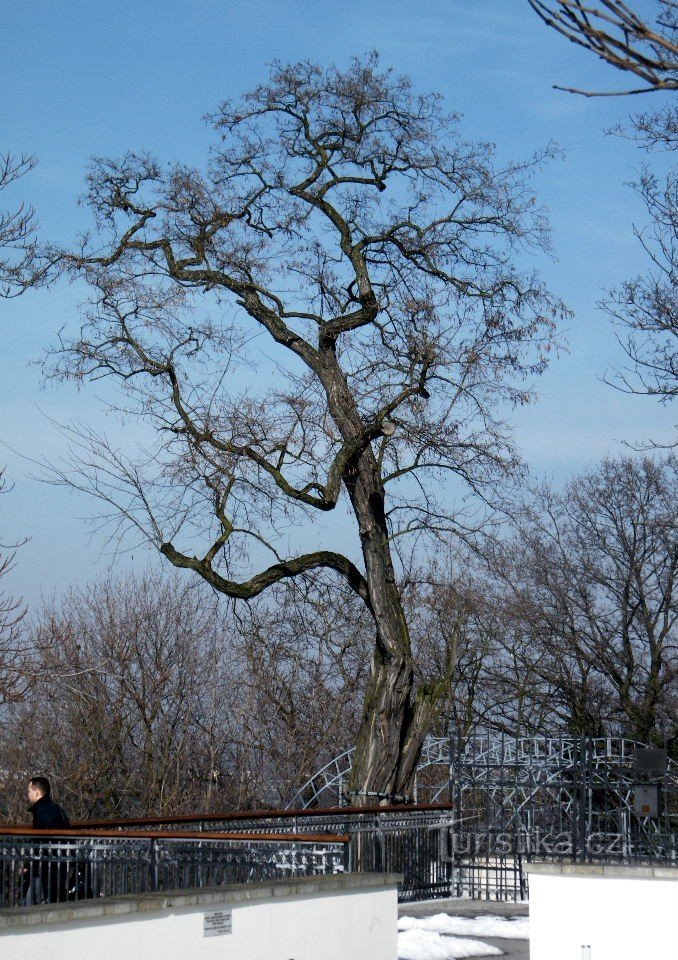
point(239, 894)
point(463, 907)
point(618, 871)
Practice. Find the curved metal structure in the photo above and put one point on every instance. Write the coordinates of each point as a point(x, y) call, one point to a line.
point(515, 800)
point(545, 780)
point(326, 787)
point(513, 783)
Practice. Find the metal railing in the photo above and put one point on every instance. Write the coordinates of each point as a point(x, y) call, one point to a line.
point(303, 819)
point(48, 867)
point(402, 839)
point(510, 810)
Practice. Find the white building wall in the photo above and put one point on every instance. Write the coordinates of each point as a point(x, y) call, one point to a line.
point(603, 913)
point(287, 921)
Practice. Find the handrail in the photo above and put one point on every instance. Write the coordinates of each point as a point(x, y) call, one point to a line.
point(79, 834)
point(65, 864)
point(274, 814)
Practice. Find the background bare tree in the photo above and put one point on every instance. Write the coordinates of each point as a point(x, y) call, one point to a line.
point(121, 699)
point(644, 308)
point(149, 697)
point(462, 609)
point(17, 270)
point(303, 664)
point(353, 248)
point(443, 611)
point(590, 581)
point(621, 37)
point(14, 662)
point(567, 620)
point(17, 232)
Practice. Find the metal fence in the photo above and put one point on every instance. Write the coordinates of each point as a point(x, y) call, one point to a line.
point(56, 869)
point(566, 798)
point(413, 841)
point(514, 801)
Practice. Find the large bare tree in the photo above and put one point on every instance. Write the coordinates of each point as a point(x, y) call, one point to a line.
point(330, 317)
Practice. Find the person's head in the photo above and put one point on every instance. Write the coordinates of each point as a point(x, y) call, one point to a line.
point(38, 787)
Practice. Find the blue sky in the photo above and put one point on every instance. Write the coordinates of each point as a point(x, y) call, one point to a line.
point(81, 79)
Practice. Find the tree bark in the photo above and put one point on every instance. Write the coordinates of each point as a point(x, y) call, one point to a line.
point(395, 720)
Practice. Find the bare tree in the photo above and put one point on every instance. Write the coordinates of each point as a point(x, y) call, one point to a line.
point(13, 660)
point(443, 608)
point(591, 581)
point(368, 325)
point(18, 250)
point(465, 609)
point(17, 254)
point(644, 308)
point(302, 663)
point(150, 697)
point(618, 35)
point(129, 679)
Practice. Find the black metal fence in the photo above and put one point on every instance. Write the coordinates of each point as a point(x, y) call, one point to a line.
point(566, 798)
point(57, 869)
point(514, 801)
point(413, 841)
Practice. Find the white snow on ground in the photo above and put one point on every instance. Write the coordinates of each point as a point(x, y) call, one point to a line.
point(436, 937)
point(428, 945)
point(517, 929)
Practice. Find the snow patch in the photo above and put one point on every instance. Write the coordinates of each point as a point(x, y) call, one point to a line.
point(489, 926)
point(418, 944)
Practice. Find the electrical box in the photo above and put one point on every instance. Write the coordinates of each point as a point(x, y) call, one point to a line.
point(646, 800)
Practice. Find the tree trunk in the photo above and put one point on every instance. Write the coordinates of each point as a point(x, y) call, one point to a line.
point(392, 733)
point(395, 721)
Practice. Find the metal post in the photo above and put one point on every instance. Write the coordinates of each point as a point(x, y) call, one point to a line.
point(455, 800)
point(153, 851)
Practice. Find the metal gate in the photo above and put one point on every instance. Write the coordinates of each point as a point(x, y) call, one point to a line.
point(580, 799)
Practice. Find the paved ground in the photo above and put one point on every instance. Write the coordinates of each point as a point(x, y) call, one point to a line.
point(512, 949)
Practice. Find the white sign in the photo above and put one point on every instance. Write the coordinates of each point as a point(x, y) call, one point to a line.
point(217, 923)
point(645, 801)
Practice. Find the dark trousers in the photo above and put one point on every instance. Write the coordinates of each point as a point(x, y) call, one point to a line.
point(45, 881)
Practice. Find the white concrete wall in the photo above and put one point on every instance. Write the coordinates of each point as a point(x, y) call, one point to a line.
point(293, 920)
point(621, 913)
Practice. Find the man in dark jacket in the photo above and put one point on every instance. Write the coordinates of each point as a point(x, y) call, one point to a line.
point(46, 877)
point(47, 815)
